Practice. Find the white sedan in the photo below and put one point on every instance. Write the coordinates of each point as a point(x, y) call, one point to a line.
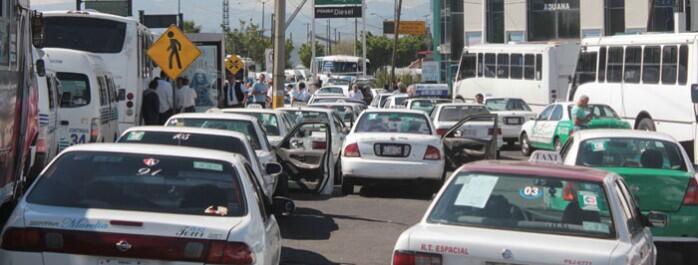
point(391, 144)
point(274, 123)
point(108, 204)
point(445, 116)
point(495, 212)
point(512, 113)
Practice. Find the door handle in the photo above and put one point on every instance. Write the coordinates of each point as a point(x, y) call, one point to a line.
point(65, 123)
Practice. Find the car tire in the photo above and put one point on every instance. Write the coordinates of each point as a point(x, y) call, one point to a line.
point(557, 145)
point(347, 187)
point(646, 124)
point(526, 148)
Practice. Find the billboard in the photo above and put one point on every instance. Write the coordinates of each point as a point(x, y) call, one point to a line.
point(415, 28)
point(115, 7)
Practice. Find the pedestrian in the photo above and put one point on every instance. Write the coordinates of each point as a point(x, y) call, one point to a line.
point(186, 96)
point(288, 93)
point(479, 99)
point(234, 94)
point(300, 95)
point(150, 107)
point(355, 93)
point(581, 114)
point(259, 92)
point(164, 90)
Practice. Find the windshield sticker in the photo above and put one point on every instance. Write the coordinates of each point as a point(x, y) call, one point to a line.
point(476, 192)
point(596, 227)
point(149, 162)
point(191, 231)
point(372, 115)
point(530, 192)
point(588, 200)
point(135, 136)
point(598, 146)
point(181, 136)
point(208, 166)
point(216, 210)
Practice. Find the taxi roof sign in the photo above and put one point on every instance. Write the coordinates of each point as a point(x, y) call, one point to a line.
point(173, 52)
point(234, 64)
point(548, 157)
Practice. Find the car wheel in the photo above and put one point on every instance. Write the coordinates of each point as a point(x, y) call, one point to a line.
point(347, 187)
point(526, 148)
point(646, 124)
point(557, 145)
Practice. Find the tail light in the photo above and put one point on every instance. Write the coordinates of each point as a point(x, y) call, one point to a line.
point(568, 192)
point(94, 130)
point(352, 150)
point(129, 96)
point(494, 131)
point(319, 145)
point(441, 132)
point(432, 153)
point(415, 258)
point(22, 239)
point(41, 145)
point(230, 253)
point(691, 197)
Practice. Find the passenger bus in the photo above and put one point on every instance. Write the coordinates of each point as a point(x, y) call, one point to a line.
point(337, 66)
point(18, 99)
point(648, 79)
point(122, 42)
point(537, 73)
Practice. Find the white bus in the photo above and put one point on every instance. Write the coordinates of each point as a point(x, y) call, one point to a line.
point(121, 42)
point(537, 73)
point(647, 79)
point(337, 66)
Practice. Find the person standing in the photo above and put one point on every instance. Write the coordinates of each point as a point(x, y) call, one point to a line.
point(150, 108)
point(300, 95)
point(164, 90)
point(186, 96)
point(355, 93)
point(580, 113)
point(479, 99)
point(234, 94)
point(259, 92)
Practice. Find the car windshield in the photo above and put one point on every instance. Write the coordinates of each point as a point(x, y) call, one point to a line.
point(393, 122)
point(74, 90)
point(457, 113)
point(206, 141)
point(597, 112)
point(425, 105)
point(136, 182)
point(631, 153)
point(339, 81)
point(331, 90)
point(308, 116)
point(241, 126)
point(526, 203)
point(268, 120)
point(503, 104)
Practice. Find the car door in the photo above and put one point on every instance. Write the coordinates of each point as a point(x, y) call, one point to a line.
point(540, 124)
point(548, 130)
point(272, 235)
point(641, 250)
point(460, 149)
point(306, 155)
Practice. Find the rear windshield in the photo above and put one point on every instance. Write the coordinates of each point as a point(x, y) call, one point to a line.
point(457, 113)
point(84, 34)
point(525, 203)
point(215, 142)
point(393, 123)
point(502, 104)
point(74, 90)
point(136, 182)
point(631, 153)
point(308, 116)
point(241, 126)
point(332, 90)
point(269, 121)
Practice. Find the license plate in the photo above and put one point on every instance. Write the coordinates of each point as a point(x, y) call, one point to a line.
point(120, 262)
point(513, 120)
point(392, 150)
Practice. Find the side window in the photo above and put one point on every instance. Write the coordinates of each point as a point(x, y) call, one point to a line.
point(259, 192)
point(539, 67)
point(683, 64)
point(602, 64)
point(546, 113)
point(633, 216)
point(490, 65)
point(479, 64)
point(669, 54)
point(502, 65)
point(516, 66)
point(102, 91)
point(615, 64)
point(650, 66)
point(529, 66)
point(467, 66)
point(633, 62)
point(50, 84)
point(557, 113)
point(586, 67)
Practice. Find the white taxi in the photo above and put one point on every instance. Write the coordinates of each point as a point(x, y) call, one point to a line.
point(109, 204)
point(391, 144)
point(396, 101)
point(496, 212)
point(512, 113)
point(273, 121)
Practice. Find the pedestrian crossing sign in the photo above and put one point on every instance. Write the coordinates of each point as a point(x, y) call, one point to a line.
point(234, 64)
point(173, 52)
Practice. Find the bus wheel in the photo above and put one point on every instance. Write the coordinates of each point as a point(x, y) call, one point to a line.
point(646, 124)
point(526, 148)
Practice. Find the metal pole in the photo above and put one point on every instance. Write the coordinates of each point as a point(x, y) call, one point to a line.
point(279, 53)
point(363, 33)
point(436, 33)
point(397, 35)
point(179, 6)
point(312, 65)
point(329, 38)
point(263, 18)
point(356, 34)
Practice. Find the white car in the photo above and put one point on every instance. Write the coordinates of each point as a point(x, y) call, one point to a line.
point(273, 121)
point(379, 99)
point(496, 212)
point(348, 111)
point(395, 101)
point(104, 204)
point(445, 116)
point(221, 140)
point(334, 90)
point(512, 113)
point(391, 144)
point(330, 98)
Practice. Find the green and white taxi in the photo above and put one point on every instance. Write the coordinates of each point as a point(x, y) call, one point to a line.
point(554, 125)
point(659, 174)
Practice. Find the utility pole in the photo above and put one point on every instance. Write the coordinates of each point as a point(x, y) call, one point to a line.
point(279, 53)
point(312, 43)
point(356, 33)
point(226, 16)
point(263, 3)
point(397, 34)
point(329, 38)
point(363, 33)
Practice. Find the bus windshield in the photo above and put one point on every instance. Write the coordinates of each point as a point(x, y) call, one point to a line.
point(85, 34)
point(340, 67)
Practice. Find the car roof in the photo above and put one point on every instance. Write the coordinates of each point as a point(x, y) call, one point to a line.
point(409, 111)
point(622, 133)
point(248, 110)
point(486, 99)
point(460, 104)
point(215, 115)
point(336, 104)
point(536, 169)
point(195, 130)
point(166, 150)
point(307, 109)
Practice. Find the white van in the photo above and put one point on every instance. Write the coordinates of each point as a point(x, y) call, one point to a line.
point(88, 100)
point(47, 142)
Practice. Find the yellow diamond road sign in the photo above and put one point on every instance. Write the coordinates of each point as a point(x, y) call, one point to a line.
point(173, 52)
point(234, 64)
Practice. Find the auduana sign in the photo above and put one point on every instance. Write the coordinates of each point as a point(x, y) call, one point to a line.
point(337, 2)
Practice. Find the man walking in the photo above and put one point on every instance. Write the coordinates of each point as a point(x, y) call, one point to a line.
point(164, 90)
point(186, 96)
point(259, 92)
point(234, 93)
point(150, 108)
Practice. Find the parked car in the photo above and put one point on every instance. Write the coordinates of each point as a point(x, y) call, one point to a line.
point(512, 113)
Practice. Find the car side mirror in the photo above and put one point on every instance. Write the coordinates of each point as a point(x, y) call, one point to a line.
point(656, 219)
point(41, 67)
point(282, 206)
point(273, 168)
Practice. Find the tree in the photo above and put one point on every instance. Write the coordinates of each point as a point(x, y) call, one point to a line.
point(380, 49)
point(289, 49)
point(248, 41)
point(191, 27)
point(305, 52)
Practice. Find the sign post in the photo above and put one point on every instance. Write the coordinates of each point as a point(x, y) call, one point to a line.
point(173, 52)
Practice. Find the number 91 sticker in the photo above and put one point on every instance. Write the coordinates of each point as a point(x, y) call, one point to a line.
point(531, 192)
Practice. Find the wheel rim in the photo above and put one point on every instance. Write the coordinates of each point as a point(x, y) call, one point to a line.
point(524, 144)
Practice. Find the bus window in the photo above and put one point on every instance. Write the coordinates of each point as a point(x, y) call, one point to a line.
point(74, 90)
point(50, 82)
point(539, 67)
point(669, 65)
point(586, 68)
point(467, 66)
point(615, 64)
point(479, 64)
point(650, 65)
point(529, 66)
point(683, 64)
point(516, 66)
point(502, 65)
point(103, 98)
point(85, 34)
point(490, 65)
point(602, 64)
point(633, 62)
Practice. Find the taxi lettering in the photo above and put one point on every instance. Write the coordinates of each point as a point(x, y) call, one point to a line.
point(82, 223)
point(445, 249)
point(576, 262)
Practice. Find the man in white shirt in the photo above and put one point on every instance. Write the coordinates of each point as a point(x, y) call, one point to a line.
point(164, 92)
point(186, 96)
point(355, 93)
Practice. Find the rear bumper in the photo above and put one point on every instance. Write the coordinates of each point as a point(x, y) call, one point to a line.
point(681, 227)
point(511, 132)
point(391, 169)
point(20, 258)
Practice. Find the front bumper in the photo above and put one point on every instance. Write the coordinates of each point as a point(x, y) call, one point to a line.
point(391, 169)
